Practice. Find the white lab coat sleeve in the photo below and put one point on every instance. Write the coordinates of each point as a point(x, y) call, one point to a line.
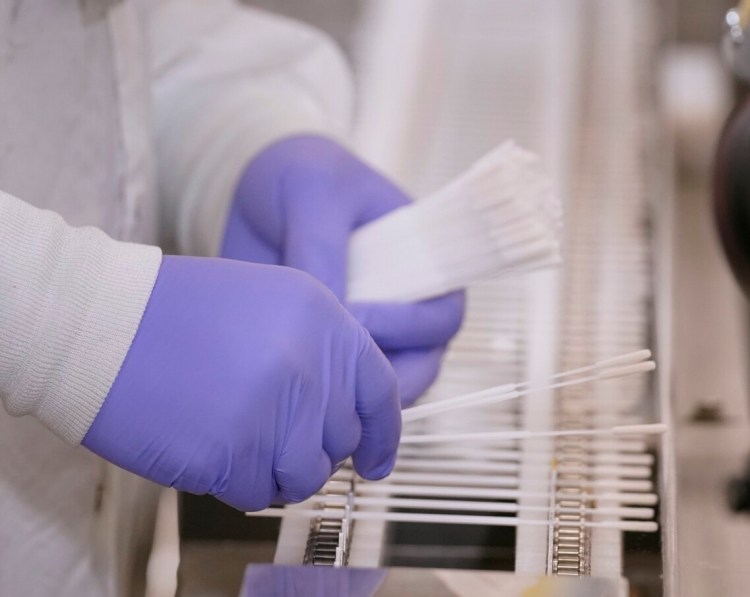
point(71, 300)
point(227, 81)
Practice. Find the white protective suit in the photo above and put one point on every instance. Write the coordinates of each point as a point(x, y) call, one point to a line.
point(101, 103)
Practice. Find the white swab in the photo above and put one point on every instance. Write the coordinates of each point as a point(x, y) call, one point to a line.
point(629, 358)
point(500, 394)
point(618, 444)
point(647, 429)
point(609, 497)
point(504, 521)
point(457, 480)
point(496, 482)
point(600, 455)
point(477, 466)
point(508, 392)
point(627, 364)
point(479, 506)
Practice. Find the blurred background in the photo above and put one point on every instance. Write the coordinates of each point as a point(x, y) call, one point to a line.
point(624, 100)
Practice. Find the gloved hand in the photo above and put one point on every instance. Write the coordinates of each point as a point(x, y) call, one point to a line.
point(297, 204)
point(249, 383)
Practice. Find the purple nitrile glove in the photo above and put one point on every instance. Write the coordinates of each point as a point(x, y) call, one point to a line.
point(297, 204)
point(249, 383)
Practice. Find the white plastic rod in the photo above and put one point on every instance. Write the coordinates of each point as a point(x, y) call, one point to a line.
point(647, 429)
point(615, 443)
point(601, 453)
point(479, 506)
point(499, 521)
point(458, 480)
point(609, 497)
point(482, 466)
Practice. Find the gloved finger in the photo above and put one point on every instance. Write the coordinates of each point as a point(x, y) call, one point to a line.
point(301, 473)
point(318, 247)
point(246, 493)
point(302, 466)
point(379, 410)
point(416, 370)
point(249, 488)
point(342, 432)
point(406, 326)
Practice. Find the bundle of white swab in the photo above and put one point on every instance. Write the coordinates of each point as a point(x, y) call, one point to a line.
point(498, 217)
point(471, 479)
point(477, 498)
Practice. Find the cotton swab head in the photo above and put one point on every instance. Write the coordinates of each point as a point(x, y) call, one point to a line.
point(626, 370)
point(625, 359)
point(498, 217)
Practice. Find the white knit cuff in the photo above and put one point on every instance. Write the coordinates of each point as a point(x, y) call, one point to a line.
point(71, 300)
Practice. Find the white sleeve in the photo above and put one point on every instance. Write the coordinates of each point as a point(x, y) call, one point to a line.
point(227, 81)
point(71, 300)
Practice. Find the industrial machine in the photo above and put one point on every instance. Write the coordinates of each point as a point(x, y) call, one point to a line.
point(441, 83)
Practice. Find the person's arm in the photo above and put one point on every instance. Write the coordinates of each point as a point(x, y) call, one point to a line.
point(229, 81)
point(207, 375)
point(71, 300)
point(250, 110)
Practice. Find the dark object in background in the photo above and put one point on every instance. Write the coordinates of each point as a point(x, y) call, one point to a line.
point(731, 192)
point(731, 184)
point(738, 491)
point(204, 518)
